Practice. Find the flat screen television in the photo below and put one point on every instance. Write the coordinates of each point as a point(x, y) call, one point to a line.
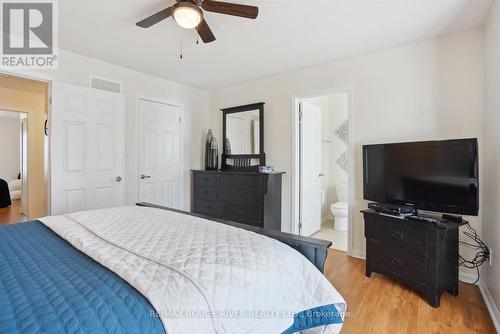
point(437, 176)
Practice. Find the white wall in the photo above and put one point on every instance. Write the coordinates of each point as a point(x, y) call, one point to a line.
point(338, 105)
point(9, 139)
point(76, 69)
point(429, 90)
point(491, 198)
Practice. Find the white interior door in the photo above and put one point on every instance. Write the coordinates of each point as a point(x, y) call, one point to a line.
point(160, 169)
point(310, 169)
point(236, 133)
point(87, 149)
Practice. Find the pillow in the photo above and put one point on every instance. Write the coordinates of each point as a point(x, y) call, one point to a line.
point(15, 194)
point(15, 185)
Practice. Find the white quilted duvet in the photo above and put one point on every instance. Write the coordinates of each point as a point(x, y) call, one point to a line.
point(199, 275)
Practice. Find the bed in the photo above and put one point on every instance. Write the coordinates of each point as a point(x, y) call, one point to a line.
point(147, 269)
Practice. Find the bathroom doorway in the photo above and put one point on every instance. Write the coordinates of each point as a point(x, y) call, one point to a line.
point(322, 167)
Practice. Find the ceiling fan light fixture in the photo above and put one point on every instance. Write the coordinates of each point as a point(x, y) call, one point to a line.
point(187, 15)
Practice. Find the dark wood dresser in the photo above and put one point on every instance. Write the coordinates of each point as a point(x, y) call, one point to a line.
point(246, 197)
point(421, 255)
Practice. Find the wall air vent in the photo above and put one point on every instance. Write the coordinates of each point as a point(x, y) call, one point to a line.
point(105, 84)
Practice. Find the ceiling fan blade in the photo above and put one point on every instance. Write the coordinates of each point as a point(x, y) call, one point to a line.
point(250, 12)
point(205, 32)
point(155, 18)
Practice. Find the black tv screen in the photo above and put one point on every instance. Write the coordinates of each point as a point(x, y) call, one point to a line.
point(437, 176)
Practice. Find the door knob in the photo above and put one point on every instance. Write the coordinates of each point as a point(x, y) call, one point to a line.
point(145, 177)
point(118, 179)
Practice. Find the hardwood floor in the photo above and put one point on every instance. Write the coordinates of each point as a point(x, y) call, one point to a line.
point(380, 305)
point(11, 214)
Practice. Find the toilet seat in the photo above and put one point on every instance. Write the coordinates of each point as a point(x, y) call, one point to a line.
point(339, 205)
point(340, 212)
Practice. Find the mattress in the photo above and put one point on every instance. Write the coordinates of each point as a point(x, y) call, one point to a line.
point(202, 276)
point(48, 286)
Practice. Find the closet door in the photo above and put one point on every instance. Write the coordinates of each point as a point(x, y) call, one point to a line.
point(159, 151)
point(87, 149)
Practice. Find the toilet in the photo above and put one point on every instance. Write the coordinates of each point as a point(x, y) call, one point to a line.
point(339, 209)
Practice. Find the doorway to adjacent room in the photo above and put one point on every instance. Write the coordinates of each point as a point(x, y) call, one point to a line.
point(322, 167)
point(13, 167)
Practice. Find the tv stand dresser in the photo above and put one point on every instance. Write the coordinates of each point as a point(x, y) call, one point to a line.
point(421, 255)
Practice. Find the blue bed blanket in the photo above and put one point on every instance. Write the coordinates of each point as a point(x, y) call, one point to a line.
point(48, 286)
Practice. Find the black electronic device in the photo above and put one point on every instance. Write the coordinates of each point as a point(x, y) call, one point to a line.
point(391, 209)
point(456, 219)
point(422, 219)
point(440, 176)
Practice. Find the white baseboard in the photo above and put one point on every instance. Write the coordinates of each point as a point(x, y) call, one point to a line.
point(358, 254)
point(490, 304)
point(327, 219)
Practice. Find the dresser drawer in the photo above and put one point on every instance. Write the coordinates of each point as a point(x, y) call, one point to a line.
point(205, 179)
point(247, 182)
point(208, 208)
point(241, 213)
point(206, 193)
point(401, 235)
point(390, 261)
point(248, 198)
point(226, 188)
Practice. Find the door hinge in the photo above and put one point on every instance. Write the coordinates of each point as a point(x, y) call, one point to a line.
point(300, 115)
point(50, 100)
point(180, 120)
point(300, 228)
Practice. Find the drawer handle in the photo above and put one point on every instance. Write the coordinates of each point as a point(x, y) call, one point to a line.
point(397, 262)
point(205, 178)
point(205, 192)
point(242, 212)
point(209, 207)
point(398, 235)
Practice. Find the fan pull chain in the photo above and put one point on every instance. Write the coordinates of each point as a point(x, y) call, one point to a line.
point(197, 36)
point(181, 56)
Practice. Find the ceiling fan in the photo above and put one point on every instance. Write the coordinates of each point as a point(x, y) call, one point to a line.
point(189, 14)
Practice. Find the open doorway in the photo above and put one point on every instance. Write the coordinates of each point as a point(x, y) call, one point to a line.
point(13, 167)
point(24, 105)
point(322, 167)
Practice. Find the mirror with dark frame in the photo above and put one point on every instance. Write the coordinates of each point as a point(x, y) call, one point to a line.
point(243, 142)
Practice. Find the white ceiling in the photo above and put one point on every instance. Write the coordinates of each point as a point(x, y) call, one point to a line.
point(287, 35)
